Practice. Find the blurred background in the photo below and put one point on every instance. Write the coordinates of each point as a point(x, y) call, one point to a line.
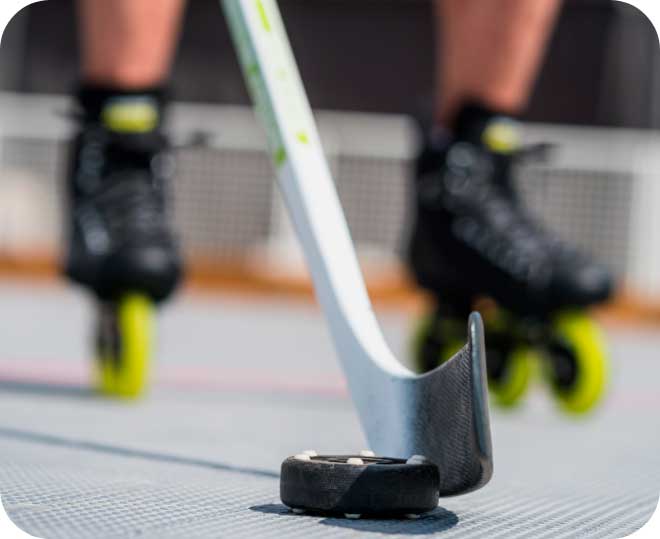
point(367, 68)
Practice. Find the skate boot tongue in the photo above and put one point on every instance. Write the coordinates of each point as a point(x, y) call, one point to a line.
point(497, 133)
point(502, 136)
point(130, 115)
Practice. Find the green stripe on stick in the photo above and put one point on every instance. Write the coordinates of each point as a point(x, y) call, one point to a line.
point(280, 156)
point(264, 16)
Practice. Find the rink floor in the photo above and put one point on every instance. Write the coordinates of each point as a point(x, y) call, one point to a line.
point(243, 382)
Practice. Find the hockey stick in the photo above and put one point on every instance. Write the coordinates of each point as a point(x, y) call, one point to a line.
point(443, 414)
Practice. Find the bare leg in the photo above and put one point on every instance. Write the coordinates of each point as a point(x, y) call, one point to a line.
point(489, 52)
point(128, 43)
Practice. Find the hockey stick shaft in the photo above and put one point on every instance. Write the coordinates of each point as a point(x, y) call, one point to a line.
point(304, 176)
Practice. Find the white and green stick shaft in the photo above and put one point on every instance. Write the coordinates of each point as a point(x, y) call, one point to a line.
point(393, 403)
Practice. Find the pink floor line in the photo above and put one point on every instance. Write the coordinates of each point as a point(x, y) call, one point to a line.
point(189, 377)
point(205, 378)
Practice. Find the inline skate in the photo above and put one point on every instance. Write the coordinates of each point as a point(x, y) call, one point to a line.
point(120, 243)
point(474, 245)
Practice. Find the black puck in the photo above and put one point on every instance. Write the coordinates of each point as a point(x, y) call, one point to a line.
point(359, 485)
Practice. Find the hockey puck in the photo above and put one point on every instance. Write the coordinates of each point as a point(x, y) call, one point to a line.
point(359, 485)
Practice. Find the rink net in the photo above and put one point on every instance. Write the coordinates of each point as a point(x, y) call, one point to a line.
point(227, 206)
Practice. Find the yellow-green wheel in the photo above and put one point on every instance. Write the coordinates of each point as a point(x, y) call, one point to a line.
point(581, 338)
point(420, 334)
point(508, 389)
point(435, 341)
point(125, 347)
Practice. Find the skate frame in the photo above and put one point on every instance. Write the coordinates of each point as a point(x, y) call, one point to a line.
point(443, 414)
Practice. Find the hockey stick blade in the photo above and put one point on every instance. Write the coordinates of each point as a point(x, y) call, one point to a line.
point(443, 414)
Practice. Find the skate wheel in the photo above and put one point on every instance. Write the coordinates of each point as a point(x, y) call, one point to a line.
point(511, 384)
point(359, 485)
point(579, 366)
point(435, 341)
point(124, 344)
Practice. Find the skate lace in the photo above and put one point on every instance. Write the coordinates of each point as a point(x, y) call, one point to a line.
point(127, 190)
point(130, 206)
point(478, 189)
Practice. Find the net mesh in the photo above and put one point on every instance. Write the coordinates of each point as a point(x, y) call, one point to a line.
point(224, 200)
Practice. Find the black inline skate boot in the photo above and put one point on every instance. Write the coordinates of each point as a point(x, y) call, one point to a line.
point(474, 245)
point(120, 243)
